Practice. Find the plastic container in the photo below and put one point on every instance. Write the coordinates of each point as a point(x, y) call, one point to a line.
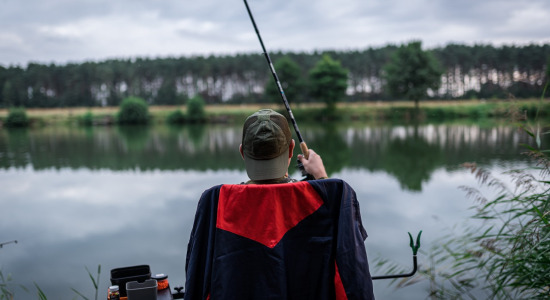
point(121, 276)
point(114, 293)
point(142, 291)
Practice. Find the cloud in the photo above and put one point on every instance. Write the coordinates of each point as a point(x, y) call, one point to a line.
point(63, 30)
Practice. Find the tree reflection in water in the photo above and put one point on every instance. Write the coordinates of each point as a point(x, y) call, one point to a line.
point(411, 159)
point(408, 153)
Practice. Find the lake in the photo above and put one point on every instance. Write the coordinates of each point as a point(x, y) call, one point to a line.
point(76, 197)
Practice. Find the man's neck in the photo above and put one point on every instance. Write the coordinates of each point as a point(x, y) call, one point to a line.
point(284, 179)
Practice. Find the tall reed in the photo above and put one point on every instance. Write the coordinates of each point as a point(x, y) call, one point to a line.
point(506, 254)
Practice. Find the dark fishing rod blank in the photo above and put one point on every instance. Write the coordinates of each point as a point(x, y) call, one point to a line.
point(6, 243)
point(303, 146)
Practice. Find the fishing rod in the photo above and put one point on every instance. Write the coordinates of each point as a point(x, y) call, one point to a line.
point(305, 150)
point(303, 146)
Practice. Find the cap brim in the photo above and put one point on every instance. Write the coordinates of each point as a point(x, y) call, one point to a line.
point(262, 169)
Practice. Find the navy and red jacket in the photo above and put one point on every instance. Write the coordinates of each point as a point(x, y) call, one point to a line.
point(302, 240)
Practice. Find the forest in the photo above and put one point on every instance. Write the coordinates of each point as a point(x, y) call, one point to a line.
point(469, 72)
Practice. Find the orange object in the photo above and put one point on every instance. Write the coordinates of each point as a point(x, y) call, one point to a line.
point(162, 284)
point(162, 281)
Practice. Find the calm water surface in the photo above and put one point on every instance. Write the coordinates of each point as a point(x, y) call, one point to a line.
point(76, 198)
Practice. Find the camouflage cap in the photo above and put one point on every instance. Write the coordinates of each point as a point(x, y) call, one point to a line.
point(265, 142)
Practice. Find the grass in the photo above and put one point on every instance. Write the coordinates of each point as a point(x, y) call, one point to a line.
point(95, 282)
point(506, 255)
point(364, 111)
point(8, 287)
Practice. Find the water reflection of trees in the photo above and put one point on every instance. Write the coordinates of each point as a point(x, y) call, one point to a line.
point(412, 153)
point(411, 160)
point(409, 153)
point(329, 142)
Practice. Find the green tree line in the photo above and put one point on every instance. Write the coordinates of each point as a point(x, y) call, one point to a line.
point(478, 71)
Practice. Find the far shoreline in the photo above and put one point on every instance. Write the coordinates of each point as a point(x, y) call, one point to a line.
point(372, 111)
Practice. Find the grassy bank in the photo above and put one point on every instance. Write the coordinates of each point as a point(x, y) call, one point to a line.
point(401, 111)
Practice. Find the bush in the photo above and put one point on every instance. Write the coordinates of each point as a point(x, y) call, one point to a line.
point(17, 117)
point(87, 119)
point(176, 117)
point(133, 110)
point(195, 109)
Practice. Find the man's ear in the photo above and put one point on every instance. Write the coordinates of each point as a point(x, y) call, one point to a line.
point(241, 150)
point(291, 148)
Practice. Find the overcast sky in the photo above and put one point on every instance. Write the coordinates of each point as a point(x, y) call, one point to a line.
point(64, 31)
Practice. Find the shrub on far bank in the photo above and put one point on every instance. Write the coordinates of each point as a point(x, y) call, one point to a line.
point(195, 110)
point(86, 119)
point(17, 117)
point(133, 110)
point(176, 117)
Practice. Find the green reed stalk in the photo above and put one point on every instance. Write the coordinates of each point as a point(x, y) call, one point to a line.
point(95, 282)
point(506, 254)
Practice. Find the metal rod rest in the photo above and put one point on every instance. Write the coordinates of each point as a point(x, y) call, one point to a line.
point(414, 248)
point(415, 267)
